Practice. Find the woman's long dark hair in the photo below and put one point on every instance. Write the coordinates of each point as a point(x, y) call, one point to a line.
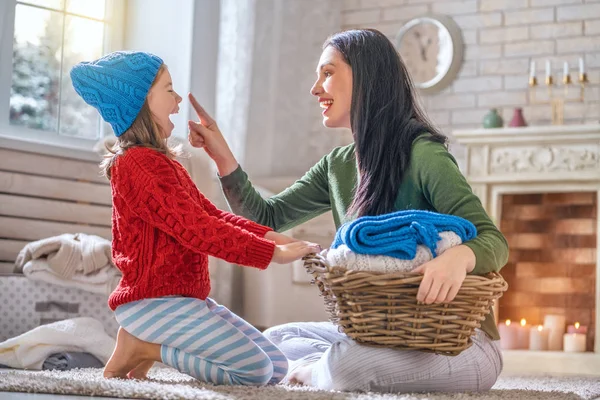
point(385, 118)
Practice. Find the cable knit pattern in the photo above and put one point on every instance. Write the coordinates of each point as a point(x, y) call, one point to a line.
point(117, 85)
point(344, 257)
point(397, 234)
point(164, 229)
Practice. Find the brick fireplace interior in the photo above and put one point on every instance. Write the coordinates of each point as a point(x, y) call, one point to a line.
point(552, 264)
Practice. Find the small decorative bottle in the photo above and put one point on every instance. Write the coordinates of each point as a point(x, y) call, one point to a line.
point(517, 119)
point(492, 119)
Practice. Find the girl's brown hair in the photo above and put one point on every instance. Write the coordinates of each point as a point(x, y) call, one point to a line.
point(144, 132)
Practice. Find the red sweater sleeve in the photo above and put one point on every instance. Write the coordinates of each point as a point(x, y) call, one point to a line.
point(234, 219)
point(147, 182)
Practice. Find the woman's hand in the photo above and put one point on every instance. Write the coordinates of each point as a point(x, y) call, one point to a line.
point(280, 238)
point(206, 135)
point(286, 253)
point(444, 275)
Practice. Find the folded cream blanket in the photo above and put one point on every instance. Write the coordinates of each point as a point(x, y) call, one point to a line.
point(343, 256)
point(31, 349)
point(68, 253)
point(102, 281)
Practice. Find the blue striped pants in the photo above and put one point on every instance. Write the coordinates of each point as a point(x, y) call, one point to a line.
point(205, 340)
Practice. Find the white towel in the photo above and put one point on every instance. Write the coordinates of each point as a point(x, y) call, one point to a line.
point(344, 257)
point(31, 349)
point(101, 281)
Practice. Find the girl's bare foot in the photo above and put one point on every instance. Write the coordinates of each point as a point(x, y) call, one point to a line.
point(301, 375)
point(129, 353)
point(141, 371)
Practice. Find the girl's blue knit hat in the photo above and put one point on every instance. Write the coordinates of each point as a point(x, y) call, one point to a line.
point(117, 85)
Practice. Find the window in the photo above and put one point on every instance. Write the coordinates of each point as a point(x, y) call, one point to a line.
point(49, 37)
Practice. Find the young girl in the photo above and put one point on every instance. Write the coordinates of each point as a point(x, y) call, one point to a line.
point(163, 231)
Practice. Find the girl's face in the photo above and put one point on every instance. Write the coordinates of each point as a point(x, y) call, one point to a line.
point(333, 88)
point(163, 101)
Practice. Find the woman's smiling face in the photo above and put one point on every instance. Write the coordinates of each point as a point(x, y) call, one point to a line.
point(333, 88)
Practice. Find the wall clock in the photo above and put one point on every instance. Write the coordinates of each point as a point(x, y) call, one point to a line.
point(432, 49)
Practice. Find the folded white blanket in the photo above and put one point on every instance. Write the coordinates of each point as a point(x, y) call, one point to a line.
point(343, 256)
point(101, 281)
point(30, 349)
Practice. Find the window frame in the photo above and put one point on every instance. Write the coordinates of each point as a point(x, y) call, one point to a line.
point(10, 135)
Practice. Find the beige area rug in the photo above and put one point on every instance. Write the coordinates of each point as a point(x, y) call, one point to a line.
point(169, 384)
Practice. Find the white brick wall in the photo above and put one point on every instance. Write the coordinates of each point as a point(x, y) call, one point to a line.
point(478, 84)
point(504, 35)
point(504, 67)
point(579, 12)
point(449, 7)
point(528, 17)
point(529, 47)
point(500, 5)
point(501, 38)
point(404, 13)
point(592, 27)
point(542, 3)
point(556, 30)
point(357, 17)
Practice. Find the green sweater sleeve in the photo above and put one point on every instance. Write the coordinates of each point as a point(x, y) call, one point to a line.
point(307, 198)
point(446, 189)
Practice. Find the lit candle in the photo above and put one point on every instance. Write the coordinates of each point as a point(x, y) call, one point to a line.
point(581, 66)
point(548, 68)
point(538, 338)
point(556, 325)
point(566, 69)
point(508, 335)
point(523, 335)
point(532, 70)
point(577, 328)
point(574, 342)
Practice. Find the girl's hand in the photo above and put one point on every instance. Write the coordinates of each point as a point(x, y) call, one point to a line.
point(286, 253)
point(280, 238)
point(206, 135)
point(444, 275)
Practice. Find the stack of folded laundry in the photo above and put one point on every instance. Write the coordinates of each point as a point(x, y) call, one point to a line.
point(397, 242)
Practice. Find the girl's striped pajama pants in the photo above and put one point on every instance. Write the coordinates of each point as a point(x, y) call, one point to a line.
point(205, 340)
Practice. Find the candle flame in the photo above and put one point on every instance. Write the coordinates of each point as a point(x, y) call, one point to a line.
point(540, 327)
point(507, 322)
point(523, 322)
point(576, 325)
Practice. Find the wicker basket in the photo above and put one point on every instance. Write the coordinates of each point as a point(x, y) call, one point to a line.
point(382, 310)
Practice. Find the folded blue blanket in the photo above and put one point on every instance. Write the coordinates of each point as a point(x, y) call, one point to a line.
point(398, 234)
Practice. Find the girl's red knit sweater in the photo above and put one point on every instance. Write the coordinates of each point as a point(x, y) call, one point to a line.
point(164, 229)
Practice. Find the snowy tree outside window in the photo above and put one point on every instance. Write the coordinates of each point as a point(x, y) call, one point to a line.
point(51, 36)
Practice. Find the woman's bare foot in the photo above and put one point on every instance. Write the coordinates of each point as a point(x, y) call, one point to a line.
point(141, 371)
point(301, 375)
point(129, 353)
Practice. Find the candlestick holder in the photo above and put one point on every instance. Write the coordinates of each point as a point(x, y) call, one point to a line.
point(557, 98)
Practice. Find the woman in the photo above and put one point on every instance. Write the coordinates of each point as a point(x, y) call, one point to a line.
point(398, 161)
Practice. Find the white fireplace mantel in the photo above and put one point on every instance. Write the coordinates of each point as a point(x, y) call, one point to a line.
point(532, 153)
point(530, 160)
point(538, 159)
